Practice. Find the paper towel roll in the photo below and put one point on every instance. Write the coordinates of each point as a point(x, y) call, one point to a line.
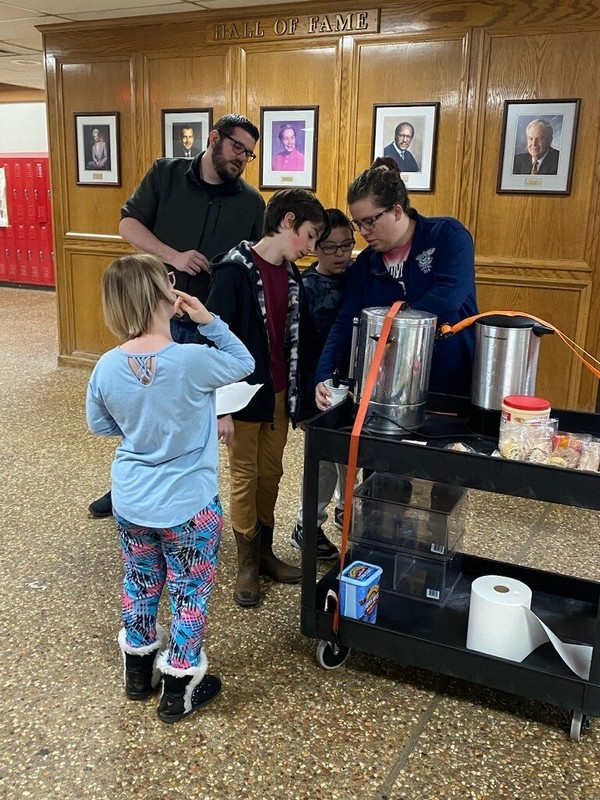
point(502, 624)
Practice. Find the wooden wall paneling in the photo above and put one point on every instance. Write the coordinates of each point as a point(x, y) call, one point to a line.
point(564, 303)
point(348, 112)
point(84, 266)
point(170, 34)
point(56, 146)
point(299, 75)
point(510, 16)
point(473, 112)
point(589, 390)
point(555, 231)
point(138, 119)
point(539, 67)
point(190, 81)
point(88, 88)
point(417, 71)
point(238, 89)
point(238, 104)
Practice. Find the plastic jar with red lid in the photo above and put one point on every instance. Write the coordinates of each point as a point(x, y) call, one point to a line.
point(523, 408)
point(525, 430)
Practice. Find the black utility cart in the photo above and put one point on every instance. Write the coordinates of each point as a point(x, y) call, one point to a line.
point(431, 636)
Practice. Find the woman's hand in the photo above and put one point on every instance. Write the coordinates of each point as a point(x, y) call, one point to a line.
point(186, 304)
point(322, 396)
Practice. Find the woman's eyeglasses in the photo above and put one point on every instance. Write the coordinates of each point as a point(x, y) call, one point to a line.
point(368, 223)
point(344, 247)
point(239, 148)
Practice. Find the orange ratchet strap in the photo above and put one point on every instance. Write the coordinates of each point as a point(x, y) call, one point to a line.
point(446, 330)
point(355, 437)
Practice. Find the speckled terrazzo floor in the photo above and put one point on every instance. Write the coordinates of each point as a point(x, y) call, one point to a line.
point(283, 727)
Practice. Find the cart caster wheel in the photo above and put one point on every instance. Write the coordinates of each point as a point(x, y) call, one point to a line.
point(578, 723)
point(331, 655)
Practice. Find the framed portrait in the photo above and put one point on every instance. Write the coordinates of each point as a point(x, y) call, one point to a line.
point(538, 146)
point(408, 134)
point(185, 131)
point(97, 143)
point(288, 146)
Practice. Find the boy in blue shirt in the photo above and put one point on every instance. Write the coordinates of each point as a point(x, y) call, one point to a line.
point(324, 284)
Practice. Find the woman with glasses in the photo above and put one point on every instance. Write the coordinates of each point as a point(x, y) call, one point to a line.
point(428, 262)
point(158, 396)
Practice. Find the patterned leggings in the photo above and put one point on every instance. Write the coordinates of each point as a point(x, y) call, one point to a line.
point(186, 558)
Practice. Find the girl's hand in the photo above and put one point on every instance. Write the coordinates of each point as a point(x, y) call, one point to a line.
point(186, 304)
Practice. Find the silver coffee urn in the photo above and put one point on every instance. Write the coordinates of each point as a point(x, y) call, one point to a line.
point(397, 404)
point(506, 359)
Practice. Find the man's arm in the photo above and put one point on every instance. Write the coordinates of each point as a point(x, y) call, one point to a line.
point(138, 235)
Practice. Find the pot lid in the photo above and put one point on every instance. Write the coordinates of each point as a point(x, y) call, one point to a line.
point(408, 316)
point(504, 321)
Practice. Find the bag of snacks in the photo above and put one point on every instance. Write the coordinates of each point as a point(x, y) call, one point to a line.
point(567, 449)
point(527, 441)
point(590, 457)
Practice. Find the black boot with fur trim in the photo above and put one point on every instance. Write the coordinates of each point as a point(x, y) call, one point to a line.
point(185, 690)
point(140, 674)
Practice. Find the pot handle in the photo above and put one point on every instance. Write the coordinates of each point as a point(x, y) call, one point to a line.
point(375, 337)
point(541, 330)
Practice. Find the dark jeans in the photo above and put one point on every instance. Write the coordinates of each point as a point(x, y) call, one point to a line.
point(183, 334)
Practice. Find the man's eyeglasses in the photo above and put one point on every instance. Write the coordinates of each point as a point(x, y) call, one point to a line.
point(238, 147)
point(368, 223)
point(344, 247)
point(172, 278)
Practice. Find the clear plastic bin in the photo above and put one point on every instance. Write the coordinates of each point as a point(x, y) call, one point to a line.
point(381, 558)
point(426, 578)
point(412, 515)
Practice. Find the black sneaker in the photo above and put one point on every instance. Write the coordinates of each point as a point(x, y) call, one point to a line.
point(338, 517)
point(326, 550)
point(102, 507)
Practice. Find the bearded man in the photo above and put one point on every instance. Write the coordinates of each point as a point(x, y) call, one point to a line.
point(186, 213)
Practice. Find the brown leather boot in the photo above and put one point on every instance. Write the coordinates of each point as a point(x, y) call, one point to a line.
point(269, 563)
point(247, 592)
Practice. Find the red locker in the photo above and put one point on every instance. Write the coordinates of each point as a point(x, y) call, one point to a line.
point(27, 254)
point(21, 253)
point(33, 255)
point(46, 255)
point(10, 253)
point(41, 190)
point(28, 191)
point(15, 186)
point(3, 267)
point(33, 265)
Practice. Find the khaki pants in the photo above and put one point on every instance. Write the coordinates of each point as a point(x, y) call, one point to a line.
point(256, 467)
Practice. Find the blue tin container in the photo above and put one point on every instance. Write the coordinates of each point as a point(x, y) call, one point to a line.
point(359, 591)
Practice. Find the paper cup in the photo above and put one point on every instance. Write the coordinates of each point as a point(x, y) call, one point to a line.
point(338, 393)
